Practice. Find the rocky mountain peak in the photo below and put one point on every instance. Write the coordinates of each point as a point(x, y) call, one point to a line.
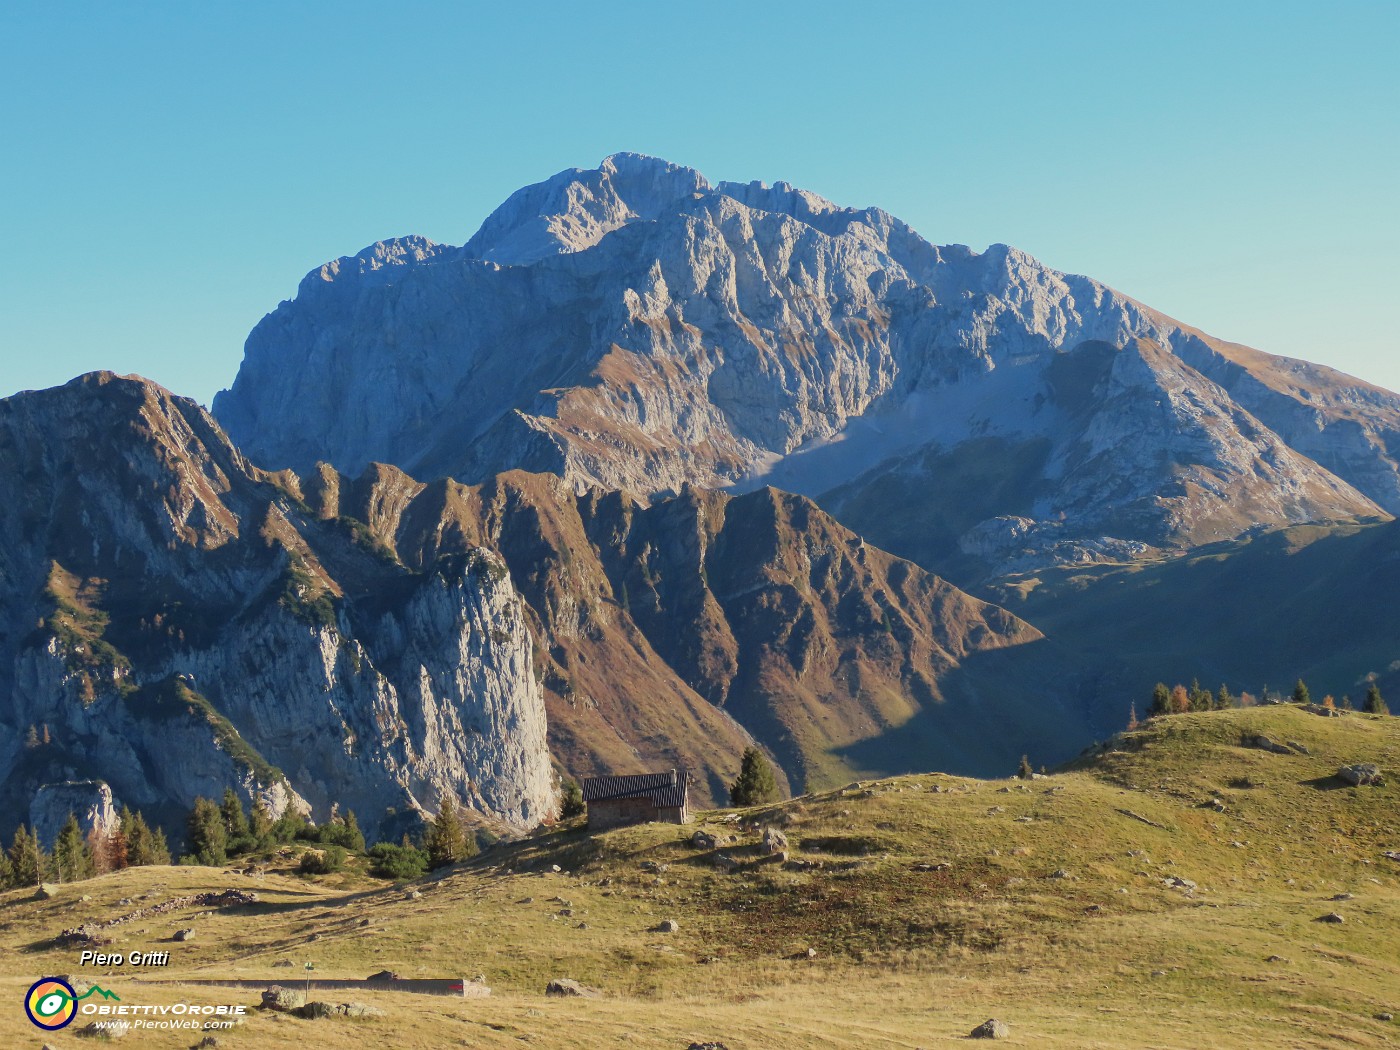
point(635, 327)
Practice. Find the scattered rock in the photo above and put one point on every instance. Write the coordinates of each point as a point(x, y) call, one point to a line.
point(1302, 749)
point(414, 895)
point(1341, 897)
point(774, 841)
point(184, 935)
point(991, 1029)
point(703, 840)
point(46, 891)
point(318, 1011)
point(555, 868)
point(282, 1000)
point(707, 1046)
point(1331, 916)
point(1385, 1015)
point(1176, 882)
point(1059, 873)
point(209, 1042)
point(566, 986)
point(1263, 743)
point(283, 963)
point(1276, 959)
point(668, 926)
point(1362, 774)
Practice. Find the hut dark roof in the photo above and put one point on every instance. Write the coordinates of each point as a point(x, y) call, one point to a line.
point(663, 789)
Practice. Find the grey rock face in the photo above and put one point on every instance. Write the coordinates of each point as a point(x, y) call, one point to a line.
point(201, 628)
point(634, 326)
point(89, 800)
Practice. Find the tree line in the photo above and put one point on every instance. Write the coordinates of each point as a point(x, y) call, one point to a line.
point(75, 856)
point(1179, 700)
point(218, 831)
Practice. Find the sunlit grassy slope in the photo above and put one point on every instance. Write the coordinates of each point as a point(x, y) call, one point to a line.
point(940, 902)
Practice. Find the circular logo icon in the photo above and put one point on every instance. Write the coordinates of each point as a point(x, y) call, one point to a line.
point(51, 1003)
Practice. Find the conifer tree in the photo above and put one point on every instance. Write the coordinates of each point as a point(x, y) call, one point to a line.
point(1133, 722)
point(756, 784)
point(1301, 694)
point(31, 737)
point(1201, 699)
point(1025, 772)
point(572, 804)
point(1223, 700)
point(160, 849)
point(240, 839)
point(260, 824)
point(1374, 705)
point(7, 872)
point(139, 842)
point(71, 860)
point(1346, 702)
point(206, 834)
point(447, 839)
point(27, 858)
point(1161, 700)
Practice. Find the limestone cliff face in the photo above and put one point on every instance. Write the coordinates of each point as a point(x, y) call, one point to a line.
point(635, 327)
point(89, 800)
point(176, 621)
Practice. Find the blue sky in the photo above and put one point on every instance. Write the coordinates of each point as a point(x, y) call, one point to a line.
point(169, 172)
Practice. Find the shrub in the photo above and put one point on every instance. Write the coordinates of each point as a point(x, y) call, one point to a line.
point(388, 861)
point(323, 861)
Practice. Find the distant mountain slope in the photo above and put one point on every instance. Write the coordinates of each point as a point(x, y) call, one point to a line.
point(635, 327)
point(660, 623)
point(1306, 601)
point(177, 620)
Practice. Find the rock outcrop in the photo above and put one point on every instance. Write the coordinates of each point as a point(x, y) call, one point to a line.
point(635, 327)
point(88, 800)
point(178, 621)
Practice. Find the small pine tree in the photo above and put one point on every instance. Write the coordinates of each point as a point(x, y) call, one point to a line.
point(31, 737)
point(260, 824)
point(7, 872)
point(756, 785)
point(1301, 694)
point(206, 835)
point(1201, 699)
point(1346, 702)
point(27, 858)
point(1133, 722)
point(447, 839)
point(1223, 700)
point(160, 849)
point(1161, 700)
point(354, 837)
point(140, 843)
point(71, 860)
point(1374, 705)
point(1025, 772)
point(235, 822)
point(572, 804)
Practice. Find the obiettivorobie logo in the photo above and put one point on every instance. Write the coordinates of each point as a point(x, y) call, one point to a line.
point(51, 1002)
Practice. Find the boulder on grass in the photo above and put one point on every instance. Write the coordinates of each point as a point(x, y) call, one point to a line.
point(991, 1029)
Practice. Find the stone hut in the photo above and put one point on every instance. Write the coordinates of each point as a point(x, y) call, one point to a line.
point(638, 799)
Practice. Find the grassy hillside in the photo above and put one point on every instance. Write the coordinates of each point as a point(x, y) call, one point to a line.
point(940, 901)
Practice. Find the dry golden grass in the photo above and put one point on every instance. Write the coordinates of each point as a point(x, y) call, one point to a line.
point(1107, 956)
